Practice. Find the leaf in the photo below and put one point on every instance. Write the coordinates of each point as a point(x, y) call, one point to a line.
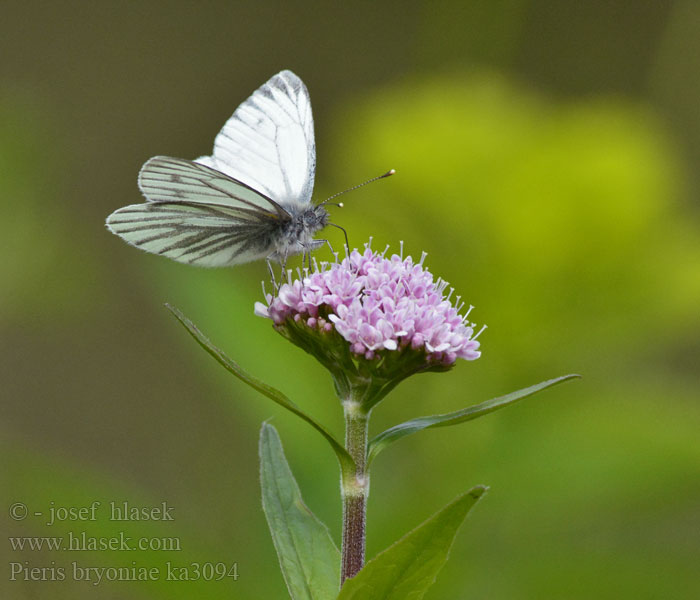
point(309, 559)
point(405, 570)
point(346, 462)
point(391, 435)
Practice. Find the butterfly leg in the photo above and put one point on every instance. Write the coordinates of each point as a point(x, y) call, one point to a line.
point(327, 243)
point(283, 263)
point(272, 274)
point(307, 255)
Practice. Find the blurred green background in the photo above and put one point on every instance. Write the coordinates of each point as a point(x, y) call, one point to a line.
point(546, 156)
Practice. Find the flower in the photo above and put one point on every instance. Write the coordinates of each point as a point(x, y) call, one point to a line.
point(379, 307)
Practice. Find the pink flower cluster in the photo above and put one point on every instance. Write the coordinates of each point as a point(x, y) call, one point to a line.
point(375, 304)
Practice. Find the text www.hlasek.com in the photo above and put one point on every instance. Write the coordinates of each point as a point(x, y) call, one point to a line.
point(81, 542)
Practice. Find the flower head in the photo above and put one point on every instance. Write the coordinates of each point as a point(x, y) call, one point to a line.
point(371, 314)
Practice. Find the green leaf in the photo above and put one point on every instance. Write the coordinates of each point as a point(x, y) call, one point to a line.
point(405, 570)
point(309, 559)
point(346, 462)
point(397, 432)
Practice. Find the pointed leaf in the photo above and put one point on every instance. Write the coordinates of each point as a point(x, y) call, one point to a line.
point(397, 432)
point(309, 559)
point(346, 462)
point(407, 569)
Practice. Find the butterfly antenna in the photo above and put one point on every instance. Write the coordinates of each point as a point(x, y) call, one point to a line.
point(340, 204)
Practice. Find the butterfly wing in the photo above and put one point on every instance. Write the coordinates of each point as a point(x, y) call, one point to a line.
point(167, 179)
point(269, 144)
point(196, 234)
point(198, 216)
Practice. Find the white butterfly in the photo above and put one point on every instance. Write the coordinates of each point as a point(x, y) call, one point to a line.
point(250, 199)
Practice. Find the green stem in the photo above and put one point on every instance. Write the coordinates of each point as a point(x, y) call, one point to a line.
point(355, 489)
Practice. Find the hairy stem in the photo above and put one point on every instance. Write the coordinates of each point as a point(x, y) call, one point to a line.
point(355, 489)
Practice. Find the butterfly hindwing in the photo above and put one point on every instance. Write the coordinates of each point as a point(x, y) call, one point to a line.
point(197, 234)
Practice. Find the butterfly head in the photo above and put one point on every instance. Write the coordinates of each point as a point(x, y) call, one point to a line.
point(315, 218)
point(297, 235)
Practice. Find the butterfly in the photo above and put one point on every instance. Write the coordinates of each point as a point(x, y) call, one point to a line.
point(249, 200)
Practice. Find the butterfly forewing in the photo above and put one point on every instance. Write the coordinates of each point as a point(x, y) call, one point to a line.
point(166, 179)
point(268, 143)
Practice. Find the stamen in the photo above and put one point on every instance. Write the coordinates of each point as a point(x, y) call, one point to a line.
point(480, 330)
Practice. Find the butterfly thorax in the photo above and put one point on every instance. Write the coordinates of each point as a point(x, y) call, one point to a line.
point(297, 235)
